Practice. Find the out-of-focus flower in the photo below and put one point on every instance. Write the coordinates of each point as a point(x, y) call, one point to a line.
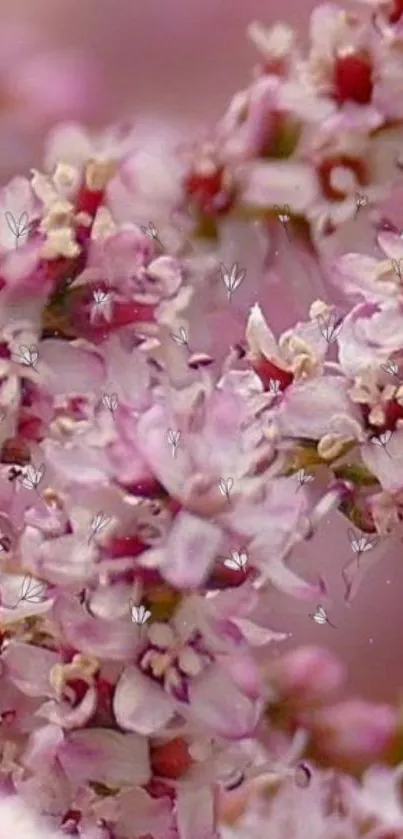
point(354, 732)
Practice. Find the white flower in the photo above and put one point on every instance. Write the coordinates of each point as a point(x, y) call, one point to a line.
point(382, 440)
point(329, 328)
point(181, 338)
point(173, 439)
point(32, 591)
point(31, 477)
point(151, 232)
point(320, 616)
point(140, 614)
point(237, 561)
point(397, 265)
point(110, 401)
point(274, 386)
point(361, 544)
point(391, 367)
point(102, 304)
point(28, 355)
point(98, 523)
point(225, 486)
point(303, 477)
point(232, 279)
point(19, 227)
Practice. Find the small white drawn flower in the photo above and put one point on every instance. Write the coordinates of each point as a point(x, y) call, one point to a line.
point(303, 477)
point(98, 523)
point(362, 543)
point(283, 213)
point(321, 617)
point(237, 561)
point(329, 327)
point(32, 590)
point(360, 201)
point(225, 485)
point(139, 614)
point(31, 477)
point(102, 305)
point(382, 440)
point(397, 265)
point(20, 227)
point(173, 440)
point(232, 279)
point(110, 401)
point(391, 367)
point(28, 355)
point(151, 232)
point(181, 338)
point(274, 386)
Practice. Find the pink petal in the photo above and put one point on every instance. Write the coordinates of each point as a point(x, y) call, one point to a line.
point(70, 369)
point(318, 407)
point(114, 640)
point(259, 337)
point(77, 464)
point(191, 549)
point(28, 667)
point(43, 745)
point(167, 271)
point(391, 244)
point(257, 635)
point(139, 705)
point(281, 183)
point(218, 704)
point(153, 446)
point(196, 813)
point(105, 756)
point(386, 464)
point(61, 713)
point(285, 580)
point(356, 273)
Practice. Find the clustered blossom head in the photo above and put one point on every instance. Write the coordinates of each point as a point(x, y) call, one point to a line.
point(305, 139)
point(164, 456)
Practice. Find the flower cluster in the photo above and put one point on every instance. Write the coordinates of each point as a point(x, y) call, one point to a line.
point(164, 456)
point(306, 141)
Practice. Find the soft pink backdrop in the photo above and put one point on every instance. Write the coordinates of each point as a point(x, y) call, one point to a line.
point(181, 59)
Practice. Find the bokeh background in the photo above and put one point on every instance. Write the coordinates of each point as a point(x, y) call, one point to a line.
point(179, 61)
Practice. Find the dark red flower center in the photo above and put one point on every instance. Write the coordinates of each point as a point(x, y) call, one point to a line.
point(208, 190)
point(268, 371)
point(353, 78)
point(396, 11)
point(172, 759)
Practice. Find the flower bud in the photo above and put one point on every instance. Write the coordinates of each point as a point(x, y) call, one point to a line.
point(308, 674)
point(354, 732)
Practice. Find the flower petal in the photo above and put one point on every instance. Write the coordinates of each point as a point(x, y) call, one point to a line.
point(28, 667)
point(70, 369)
point(216, 702)
point(192, 547)
point(105, 756)
point(139, 705)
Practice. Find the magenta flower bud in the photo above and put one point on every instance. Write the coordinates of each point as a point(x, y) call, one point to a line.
point(355, 732)
point(309, 674)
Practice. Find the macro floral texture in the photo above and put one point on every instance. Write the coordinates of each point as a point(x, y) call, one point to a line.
point(165, 456)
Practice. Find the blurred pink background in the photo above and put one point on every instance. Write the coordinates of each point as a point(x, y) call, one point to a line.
point(181, 60)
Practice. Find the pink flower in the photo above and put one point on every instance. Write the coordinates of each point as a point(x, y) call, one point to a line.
point(355, 732)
